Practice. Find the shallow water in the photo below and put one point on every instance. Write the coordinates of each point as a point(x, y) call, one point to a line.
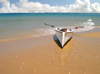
point(20, 25)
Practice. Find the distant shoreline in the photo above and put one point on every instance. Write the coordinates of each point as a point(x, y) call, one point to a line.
point(49, 13)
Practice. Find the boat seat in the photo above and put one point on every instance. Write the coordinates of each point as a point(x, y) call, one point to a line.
point(64, 30)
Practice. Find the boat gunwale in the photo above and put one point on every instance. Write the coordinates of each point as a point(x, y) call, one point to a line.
point(65, 32)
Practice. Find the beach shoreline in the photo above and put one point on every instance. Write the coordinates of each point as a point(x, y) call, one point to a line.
point(43, 55)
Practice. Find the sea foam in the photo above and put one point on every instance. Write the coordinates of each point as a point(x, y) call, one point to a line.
point(88, 25)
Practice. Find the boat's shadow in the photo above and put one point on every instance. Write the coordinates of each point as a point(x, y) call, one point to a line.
point(64, 52)
point(58, 43)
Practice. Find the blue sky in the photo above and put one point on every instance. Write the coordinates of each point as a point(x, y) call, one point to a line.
point(50, 2)
point(55, 2)
point(81, 6)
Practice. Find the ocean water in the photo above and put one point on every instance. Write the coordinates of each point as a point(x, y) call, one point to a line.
point(27, 25)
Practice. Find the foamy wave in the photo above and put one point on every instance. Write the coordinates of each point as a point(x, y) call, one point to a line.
point(34, 33)
point(90, 20)
point(83, 29)
point(88, 25)
point(43, 32)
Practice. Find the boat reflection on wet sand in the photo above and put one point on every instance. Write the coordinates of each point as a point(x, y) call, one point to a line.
point(64, 52)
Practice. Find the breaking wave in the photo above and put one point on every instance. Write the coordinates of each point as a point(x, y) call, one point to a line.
point(88, 25)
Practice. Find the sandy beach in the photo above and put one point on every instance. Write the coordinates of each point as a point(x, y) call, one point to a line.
point(43, 55)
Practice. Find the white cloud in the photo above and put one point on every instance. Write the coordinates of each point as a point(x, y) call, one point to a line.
point(2, 1)
point(80, 6)
point(25, 6)
point(5, 7)
point(95, 7)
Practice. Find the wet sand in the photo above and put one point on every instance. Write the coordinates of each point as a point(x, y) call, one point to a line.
point(43, 55)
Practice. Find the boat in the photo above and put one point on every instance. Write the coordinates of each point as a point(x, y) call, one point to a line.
point(63, 35)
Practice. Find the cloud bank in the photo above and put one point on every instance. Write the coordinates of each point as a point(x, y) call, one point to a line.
point(24, 6)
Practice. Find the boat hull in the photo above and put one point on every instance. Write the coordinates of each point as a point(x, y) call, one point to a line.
point(63, 37)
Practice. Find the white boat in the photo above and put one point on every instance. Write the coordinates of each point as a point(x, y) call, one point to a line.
point(63, 35)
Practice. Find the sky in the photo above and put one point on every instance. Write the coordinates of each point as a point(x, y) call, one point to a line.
point(49, 6)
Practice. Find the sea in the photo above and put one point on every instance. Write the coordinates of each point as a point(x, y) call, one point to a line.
point(29, 25)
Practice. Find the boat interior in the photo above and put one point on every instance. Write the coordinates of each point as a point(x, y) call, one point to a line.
point(63, 29)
